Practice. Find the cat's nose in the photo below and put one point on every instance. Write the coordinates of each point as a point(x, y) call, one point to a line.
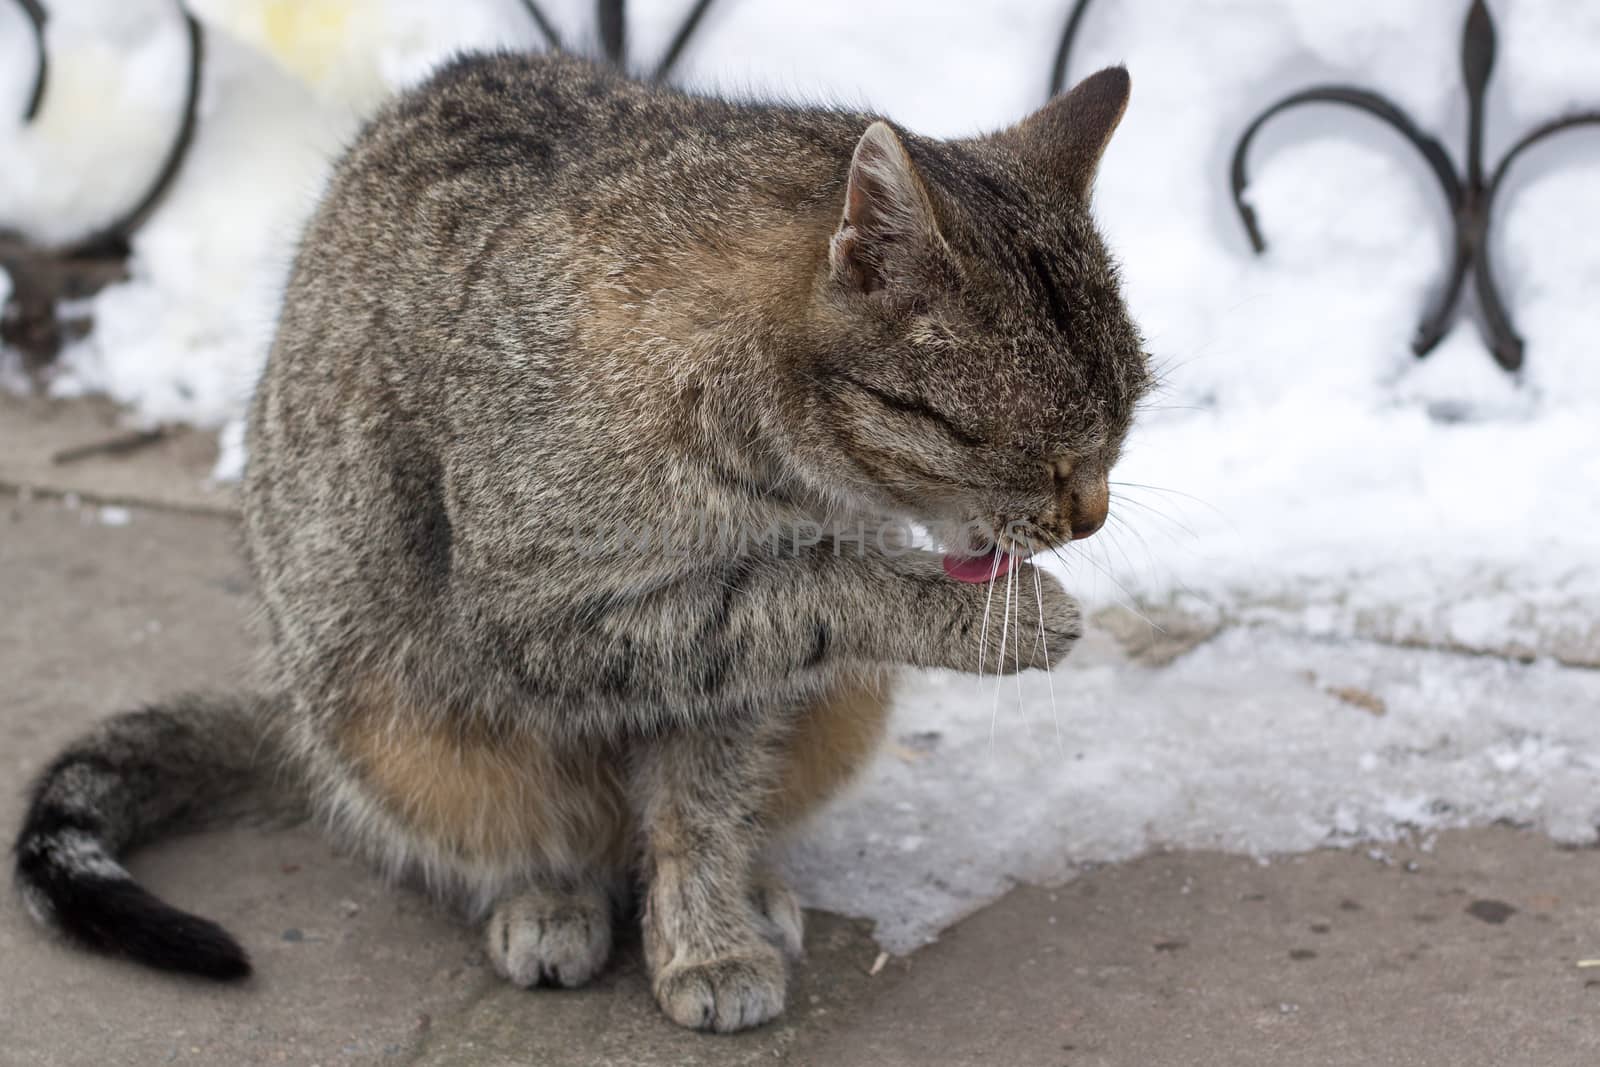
point(1088, 500)
point(1085, 523)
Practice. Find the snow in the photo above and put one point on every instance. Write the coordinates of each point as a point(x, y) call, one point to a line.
point(1241, 746)
point(1301, 475)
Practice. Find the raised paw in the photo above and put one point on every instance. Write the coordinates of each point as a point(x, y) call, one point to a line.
point(548, 937)
point(726, 994)
point(1047, 617)
point(782, 920)
point(1044, 623)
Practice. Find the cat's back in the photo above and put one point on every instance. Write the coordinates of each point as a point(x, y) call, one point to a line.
point(497, 186)
point(472, 227)
point(507, 124)
point(564, 136)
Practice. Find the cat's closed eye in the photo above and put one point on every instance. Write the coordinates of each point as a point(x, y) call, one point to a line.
point(915, 408)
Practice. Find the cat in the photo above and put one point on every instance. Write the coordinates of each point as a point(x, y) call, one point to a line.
point(539, 304)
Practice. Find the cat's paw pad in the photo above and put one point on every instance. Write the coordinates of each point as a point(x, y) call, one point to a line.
point(726, 994)
point(782, 920)
point(544, 938)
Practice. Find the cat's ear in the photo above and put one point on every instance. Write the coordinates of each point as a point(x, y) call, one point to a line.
point(887, 216)
point(1067, 137)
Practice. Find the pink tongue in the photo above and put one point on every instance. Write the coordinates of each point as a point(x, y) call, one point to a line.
point(978, 570)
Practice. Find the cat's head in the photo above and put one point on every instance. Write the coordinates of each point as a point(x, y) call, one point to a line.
point(977, 364)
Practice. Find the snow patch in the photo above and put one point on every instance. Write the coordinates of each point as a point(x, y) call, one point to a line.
point(1241, 745)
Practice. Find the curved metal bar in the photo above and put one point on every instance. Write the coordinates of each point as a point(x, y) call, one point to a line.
point(1477, 64)
point(1378, 107)
point(1436, 323)
point(41, 73)
point(1531, 138)
point(546, 27)
point(113, 237)
point(680, 40)
point(1069, 37)
point(613, 23)
point(1506, 343)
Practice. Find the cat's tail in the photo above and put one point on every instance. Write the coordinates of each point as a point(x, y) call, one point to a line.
point(190, 762)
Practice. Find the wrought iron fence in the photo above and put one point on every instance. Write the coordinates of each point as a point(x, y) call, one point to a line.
point(42, 276)
point(1470, 196)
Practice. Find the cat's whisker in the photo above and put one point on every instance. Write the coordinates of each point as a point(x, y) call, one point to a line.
point(1171, 537)
point(1117, 545)
point(1109, 571)
point(1113, 579)
point(1049, 675)
point(1161, 489)
point(1121, 523)
point(1177, 493)
point(1101, 546)
point(1005, 629)
point(1156, 566)
point(1143, 407)
point(983, 634)
point(1027, 720)
point(1162, 369)
point(1110, 543)
point(1124, 498)
point(1117, 524)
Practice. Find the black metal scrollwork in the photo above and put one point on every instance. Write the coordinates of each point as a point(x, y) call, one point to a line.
point(1069, 37)
point(43, 276)
point(41, 70)
point(611, 21)
point(1471, 197)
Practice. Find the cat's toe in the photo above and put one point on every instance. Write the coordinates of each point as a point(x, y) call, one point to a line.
point(547, 938)
point(726, 994)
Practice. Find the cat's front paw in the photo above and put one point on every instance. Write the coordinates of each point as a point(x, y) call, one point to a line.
point(1028, 621)
point(725, 994)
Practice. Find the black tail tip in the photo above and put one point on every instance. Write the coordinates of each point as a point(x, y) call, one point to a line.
point(191, 945)
point(120, 917)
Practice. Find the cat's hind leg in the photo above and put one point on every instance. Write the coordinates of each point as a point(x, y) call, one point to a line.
point(554, 926)
point(827, 746)
point(504, 812)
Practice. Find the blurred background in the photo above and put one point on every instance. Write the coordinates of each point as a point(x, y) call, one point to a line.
point(1301, 467)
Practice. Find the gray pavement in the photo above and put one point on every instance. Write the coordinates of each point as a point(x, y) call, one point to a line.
point(1464, 954)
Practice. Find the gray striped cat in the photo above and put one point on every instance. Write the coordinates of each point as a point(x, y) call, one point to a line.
point(541, 304)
